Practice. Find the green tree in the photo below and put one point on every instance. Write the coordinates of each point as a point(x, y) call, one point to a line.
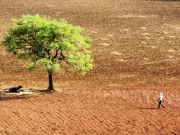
point(49, 44)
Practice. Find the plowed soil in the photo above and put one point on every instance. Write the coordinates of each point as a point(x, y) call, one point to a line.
point(136, 56)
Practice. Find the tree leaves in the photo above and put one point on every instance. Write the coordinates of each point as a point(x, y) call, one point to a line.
point(49, 44)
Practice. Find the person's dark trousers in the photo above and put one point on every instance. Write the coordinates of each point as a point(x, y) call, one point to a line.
point(160, 104)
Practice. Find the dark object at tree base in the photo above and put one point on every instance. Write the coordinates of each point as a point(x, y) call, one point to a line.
point(15, 89)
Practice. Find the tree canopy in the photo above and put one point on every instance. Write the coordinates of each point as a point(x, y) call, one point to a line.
point(49, 44)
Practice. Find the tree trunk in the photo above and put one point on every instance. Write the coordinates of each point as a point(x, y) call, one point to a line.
point(50, 87)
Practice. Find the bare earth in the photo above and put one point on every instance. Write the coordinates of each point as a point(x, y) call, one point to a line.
point(136, 55)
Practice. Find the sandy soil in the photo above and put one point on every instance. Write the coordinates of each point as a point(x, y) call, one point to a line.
point(136, 55)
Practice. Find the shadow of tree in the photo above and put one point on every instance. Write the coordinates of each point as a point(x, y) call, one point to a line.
point(6, 95)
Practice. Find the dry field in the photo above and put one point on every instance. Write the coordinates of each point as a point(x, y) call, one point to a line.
point(136, 55)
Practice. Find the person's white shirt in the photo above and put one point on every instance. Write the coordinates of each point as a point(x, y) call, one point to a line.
point(161, 97)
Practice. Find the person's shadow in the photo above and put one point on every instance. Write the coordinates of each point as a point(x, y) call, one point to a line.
point(148, 108)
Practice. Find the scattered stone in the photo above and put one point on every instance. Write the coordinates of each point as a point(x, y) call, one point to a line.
point(104, 44)
point(143, 28)
point(145, 34)
point(116, 53)
point(171, 50)
point(153, 47)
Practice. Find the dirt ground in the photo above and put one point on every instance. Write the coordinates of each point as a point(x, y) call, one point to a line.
point(136, 56)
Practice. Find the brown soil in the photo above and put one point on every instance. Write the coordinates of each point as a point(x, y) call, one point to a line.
point(136, 55)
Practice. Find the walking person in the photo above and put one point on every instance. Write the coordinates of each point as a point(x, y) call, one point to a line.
point(160, 100)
